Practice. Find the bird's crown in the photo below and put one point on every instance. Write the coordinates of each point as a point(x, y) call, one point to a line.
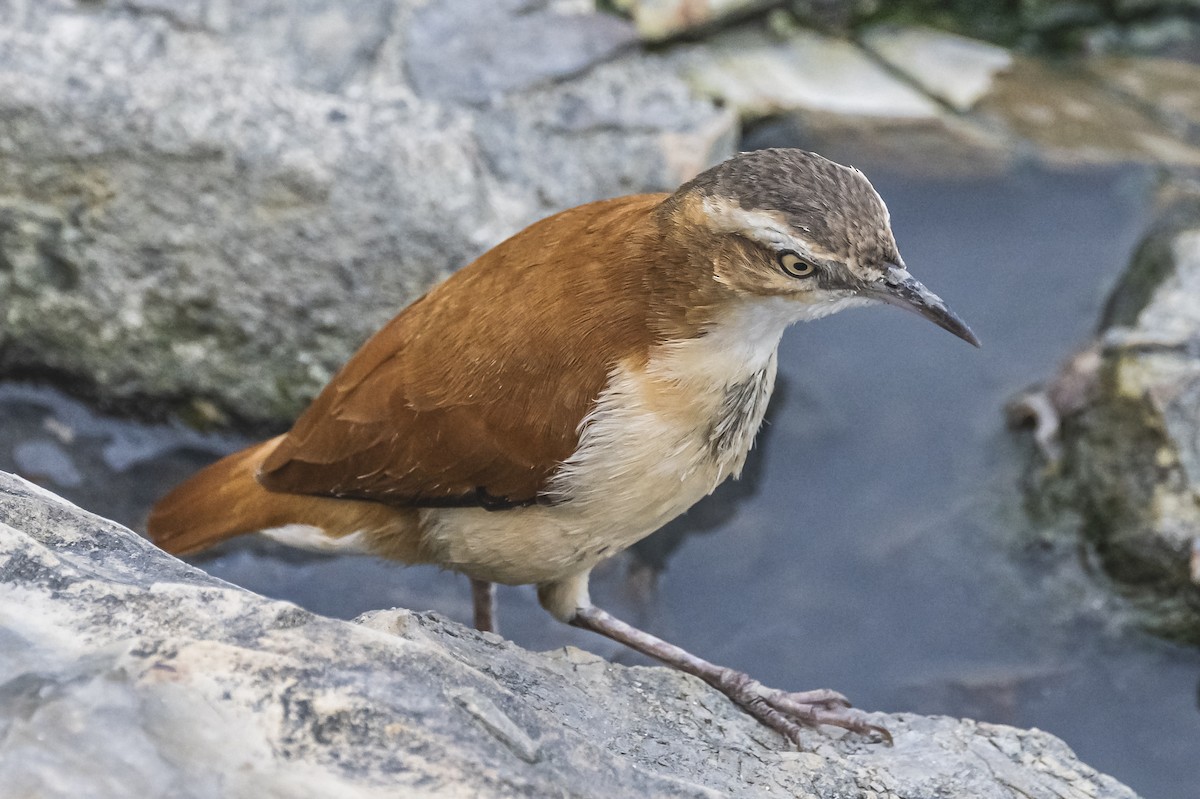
point(790, 199)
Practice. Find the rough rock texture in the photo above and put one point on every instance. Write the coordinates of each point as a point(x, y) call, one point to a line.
point(222, 200)
point(207, 206)
point(1129, 406)
point(124, 672)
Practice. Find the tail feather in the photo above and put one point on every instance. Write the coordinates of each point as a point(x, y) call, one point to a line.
point(226, 500)
point(219, 502)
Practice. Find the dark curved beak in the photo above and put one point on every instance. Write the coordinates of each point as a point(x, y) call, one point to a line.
point(897, 287)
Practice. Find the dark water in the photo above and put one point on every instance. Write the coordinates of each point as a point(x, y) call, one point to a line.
point(877, 545)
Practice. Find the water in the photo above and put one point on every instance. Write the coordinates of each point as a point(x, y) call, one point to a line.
point(877, 544)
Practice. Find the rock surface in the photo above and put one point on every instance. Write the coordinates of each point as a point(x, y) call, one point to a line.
point(222, 200)
point(956, 70)
point(762, 73)
point(661, 19)
point(925, 98)
point(207, 206)
point(1097, 110)
point(1145, 26)
point(1129, 416)
point(124, 672)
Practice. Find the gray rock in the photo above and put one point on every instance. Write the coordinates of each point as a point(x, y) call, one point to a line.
point(907, 95)
point(1128, 415)
point(124, 672)
point(881, 102)
point(1169, 88)
point(956, 70)
point(220, 201)
point(471, 52)
point(1162, 27)
point(662, 19)
point(761, 74)
point(575, 142)
point(657, 20)
point(208, 205)
point(1068, 112)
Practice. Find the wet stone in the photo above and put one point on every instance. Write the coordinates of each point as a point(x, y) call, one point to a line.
point(1130, 441)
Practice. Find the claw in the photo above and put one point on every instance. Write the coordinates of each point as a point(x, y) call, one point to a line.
point(781, 710)
point(822, 696)
point(841, 715)
point(853, 721)
point(772, 718)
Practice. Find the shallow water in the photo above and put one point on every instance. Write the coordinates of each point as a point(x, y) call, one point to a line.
point(877, 544)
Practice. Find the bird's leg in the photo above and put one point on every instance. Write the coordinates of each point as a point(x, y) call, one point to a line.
point(483, 599)
point(781, 711)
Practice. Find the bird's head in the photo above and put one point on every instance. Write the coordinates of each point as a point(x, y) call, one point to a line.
point(789, 223)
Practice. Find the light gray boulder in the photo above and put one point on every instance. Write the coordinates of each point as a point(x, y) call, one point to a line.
point(221, 200)
point(124, 672)
point(954, 69)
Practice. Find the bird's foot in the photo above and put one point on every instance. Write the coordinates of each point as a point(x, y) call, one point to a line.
point(789, 713)
point(786, 713)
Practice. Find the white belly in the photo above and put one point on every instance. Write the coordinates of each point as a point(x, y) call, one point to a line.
point(659, 439)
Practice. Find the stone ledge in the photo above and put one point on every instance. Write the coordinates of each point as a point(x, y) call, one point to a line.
point(125, 672)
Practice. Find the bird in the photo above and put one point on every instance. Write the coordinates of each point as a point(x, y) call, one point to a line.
point(571, 391)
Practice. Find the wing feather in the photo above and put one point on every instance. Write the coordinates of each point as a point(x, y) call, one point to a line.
point(474, 394)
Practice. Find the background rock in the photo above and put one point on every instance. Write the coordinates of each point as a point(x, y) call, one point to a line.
point(1130, 427)
point(956, 70)
point(1074, 112)
point(662, 19)
point(914, 95)
point(472, 52)
point(124, 672)
point(220, 201)
point(1162, 27)
point(761, 73)
point(1169, 88)
point(207, 206)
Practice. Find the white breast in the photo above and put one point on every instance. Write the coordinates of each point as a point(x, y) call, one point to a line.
point(660, 437)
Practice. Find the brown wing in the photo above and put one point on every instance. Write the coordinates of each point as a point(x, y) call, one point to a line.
point(473, 395)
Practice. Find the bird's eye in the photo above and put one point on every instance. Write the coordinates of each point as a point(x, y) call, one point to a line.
point(794, 265)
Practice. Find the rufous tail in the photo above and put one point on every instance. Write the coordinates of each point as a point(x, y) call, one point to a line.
point(219, 502)
point(226, 500)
